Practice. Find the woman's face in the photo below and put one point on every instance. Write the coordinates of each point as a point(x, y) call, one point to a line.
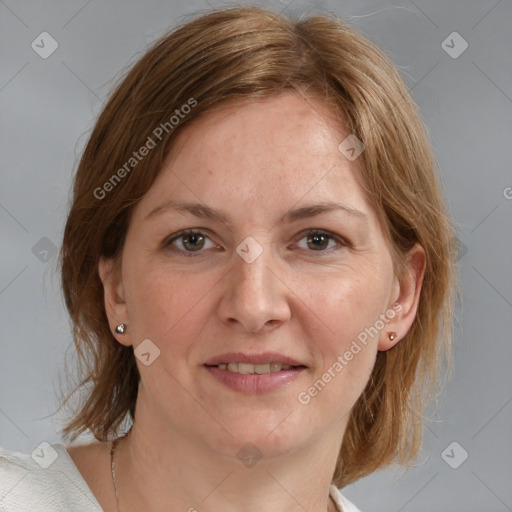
point(266, 270)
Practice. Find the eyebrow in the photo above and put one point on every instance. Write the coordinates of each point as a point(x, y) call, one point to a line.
point(205, 212)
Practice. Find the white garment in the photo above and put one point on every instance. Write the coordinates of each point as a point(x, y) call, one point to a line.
point(49, 481)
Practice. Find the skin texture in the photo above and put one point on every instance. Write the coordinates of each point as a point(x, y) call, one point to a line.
point(255, 161)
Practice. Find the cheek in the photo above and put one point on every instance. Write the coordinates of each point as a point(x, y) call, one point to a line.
point(343, 318)
point(348, 303)
point(161, 302)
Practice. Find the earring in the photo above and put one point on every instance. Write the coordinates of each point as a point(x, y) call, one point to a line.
point(392, 335)
point(121, 328)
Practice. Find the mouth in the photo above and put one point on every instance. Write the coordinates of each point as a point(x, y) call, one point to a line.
point(259, 364)
point(254, 374)
point(259, 369)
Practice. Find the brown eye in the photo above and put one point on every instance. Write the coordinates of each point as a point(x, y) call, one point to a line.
point(188, 242)
point(194, 242)
point(318, 241)
point(322, 241)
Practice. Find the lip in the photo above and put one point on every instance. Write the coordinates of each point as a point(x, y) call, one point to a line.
point(255, 383)
point(265, 357)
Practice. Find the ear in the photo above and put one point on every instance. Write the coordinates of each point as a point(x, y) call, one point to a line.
point(407, 296)
point(115, 305)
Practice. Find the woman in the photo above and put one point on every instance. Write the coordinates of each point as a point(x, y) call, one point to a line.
point(258, 264)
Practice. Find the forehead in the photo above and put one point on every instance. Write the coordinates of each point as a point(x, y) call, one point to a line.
point(285, 123)
point(276, 150)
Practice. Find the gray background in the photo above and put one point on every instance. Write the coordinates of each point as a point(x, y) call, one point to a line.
point(48, 107)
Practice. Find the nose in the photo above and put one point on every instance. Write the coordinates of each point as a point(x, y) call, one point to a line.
point(255, 296)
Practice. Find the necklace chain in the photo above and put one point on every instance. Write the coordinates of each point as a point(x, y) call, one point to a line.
point(113, 448)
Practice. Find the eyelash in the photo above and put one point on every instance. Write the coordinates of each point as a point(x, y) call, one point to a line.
point(313, 232)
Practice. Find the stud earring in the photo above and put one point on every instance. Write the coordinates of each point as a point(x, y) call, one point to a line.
point(121, 329)
point(392, 336)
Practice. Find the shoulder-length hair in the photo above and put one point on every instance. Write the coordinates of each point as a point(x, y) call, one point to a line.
point(248, 53)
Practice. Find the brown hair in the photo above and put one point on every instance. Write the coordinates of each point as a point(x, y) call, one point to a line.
point(246, 53)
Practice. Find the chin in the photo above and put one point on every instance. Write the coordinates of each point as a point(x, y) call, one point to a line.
point(272, 434)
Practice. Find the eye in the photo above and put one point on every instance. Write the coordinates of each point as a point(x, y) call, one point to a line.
point(189, 241)
point(319, 241)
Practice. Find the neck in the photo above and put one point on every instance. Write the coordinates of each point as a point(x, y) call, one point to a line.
point(165, 470)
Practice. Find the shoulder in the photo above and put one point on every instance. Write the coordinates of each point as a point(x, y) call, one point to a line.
point(344, 505)
point(44, 480)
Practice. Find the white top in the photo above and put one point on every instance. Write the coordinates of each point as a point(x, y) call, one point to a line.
point(48, 481)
